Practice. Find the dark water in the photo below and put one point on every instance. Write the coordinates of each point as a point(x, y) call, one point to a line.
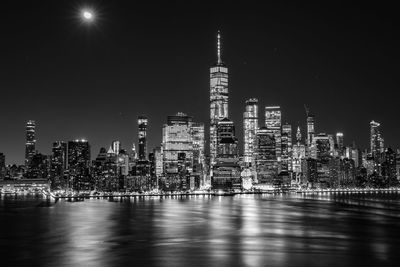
point(247, 230)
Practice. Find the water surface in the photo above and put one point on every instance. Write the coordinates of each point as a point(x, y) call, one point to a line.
point(243, 230)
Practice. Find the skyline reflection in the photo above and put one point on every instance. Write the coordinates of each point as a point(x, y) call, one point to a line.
point(249, 230)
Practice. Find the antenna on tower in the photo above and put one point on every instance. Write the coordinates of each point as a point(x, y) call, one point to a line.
point(219, 47)
point(307, 110)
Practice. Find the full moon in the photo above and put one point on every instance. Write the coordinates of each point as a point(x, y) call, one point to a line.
point(87, 15)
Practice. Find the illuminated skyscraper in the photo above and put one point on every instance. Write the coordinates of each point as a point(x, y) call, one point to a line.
point(226, 170)
point(266, 162)
point(158, 161)
point(177, 150)
point(250, 126)
point(198, 142)
point(273, 122)
point(376, 141)
point(142, 135)
point(78, 159)
point(58, 158)
point(310, 128)
point(78, 153)
point(116, 146)
point(299, 153)
point(322, 150)
point(218, 98)
point(340, 143)
point(2, 161)
point(339, 140)
point(2, 166)
point(30, 142)
point(286, 147)
point(199, 164)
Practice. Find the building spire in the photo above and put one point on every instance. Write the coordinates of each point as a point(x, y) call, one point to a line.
point(219, 47)
point(298, 135)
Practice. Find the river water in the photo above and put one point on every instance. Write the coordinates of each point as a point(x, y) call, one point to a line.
point(241, 230)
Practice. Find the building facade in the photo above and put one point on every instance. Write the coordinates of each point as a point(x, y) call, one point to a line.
point(266, 160)
point(273, 122)
point(218, 98)
point(142, 136)
point(177, 151)
point(250, 126)
point(226, 170)
point(30, 145)
point(376, 140)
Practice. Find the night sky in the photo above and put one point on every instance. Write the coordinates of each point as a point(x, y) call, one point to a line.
point(92, 81)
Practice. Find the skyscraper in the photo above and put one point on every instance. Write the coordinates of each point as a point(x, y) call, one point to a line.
point(58, 158)
point(266, 162)
point(177, 148)
point(198, 142)
point(226, 170)
point(78, 153)
point(2, 166)
point(340, 143)
point(58, 164)
point(250, 126)
point(78, 164)
point(142, 135)
point(218, 98)
point(199, 164)
point(322, 145)
point(2, 161)
point(116, 146)
point(286, 147)
point(376, 139)
point(30, 141)
point(273, 122)
point(299, 153)
point(310, 129)
point(158, 161)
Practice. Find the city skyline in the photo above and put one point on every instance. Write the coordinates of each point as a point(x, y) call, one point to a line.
point(101, 119)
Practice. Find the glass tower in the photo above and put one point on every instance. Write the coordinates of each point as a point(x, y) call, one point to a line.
point(250, 126)
point(273, 122)
point(377, 142)
point(142, 136)
point(218, 98)
point(30, 141)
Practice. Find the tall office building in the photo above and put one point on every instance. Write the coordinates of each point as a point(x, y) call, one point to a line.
point(30, 142)
point(2, 166)
point(266, 160)
point(310, 129)
point(177, 139)
point(322, 150)
point(116, 146)
point(218, 98)
point(286, 143)
point(198, 142)
point(376, 140)
point(58, 164)
point(142, 136)
point(2, 161)
point(158, 161)
point(323, 144)
point(78, 160)
point(299, 153)
point(250, 126)
point(226, 170)
point(273, 122)
point(398, 163)
point(78, 153)
point(339, 141)
point(59, 156)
